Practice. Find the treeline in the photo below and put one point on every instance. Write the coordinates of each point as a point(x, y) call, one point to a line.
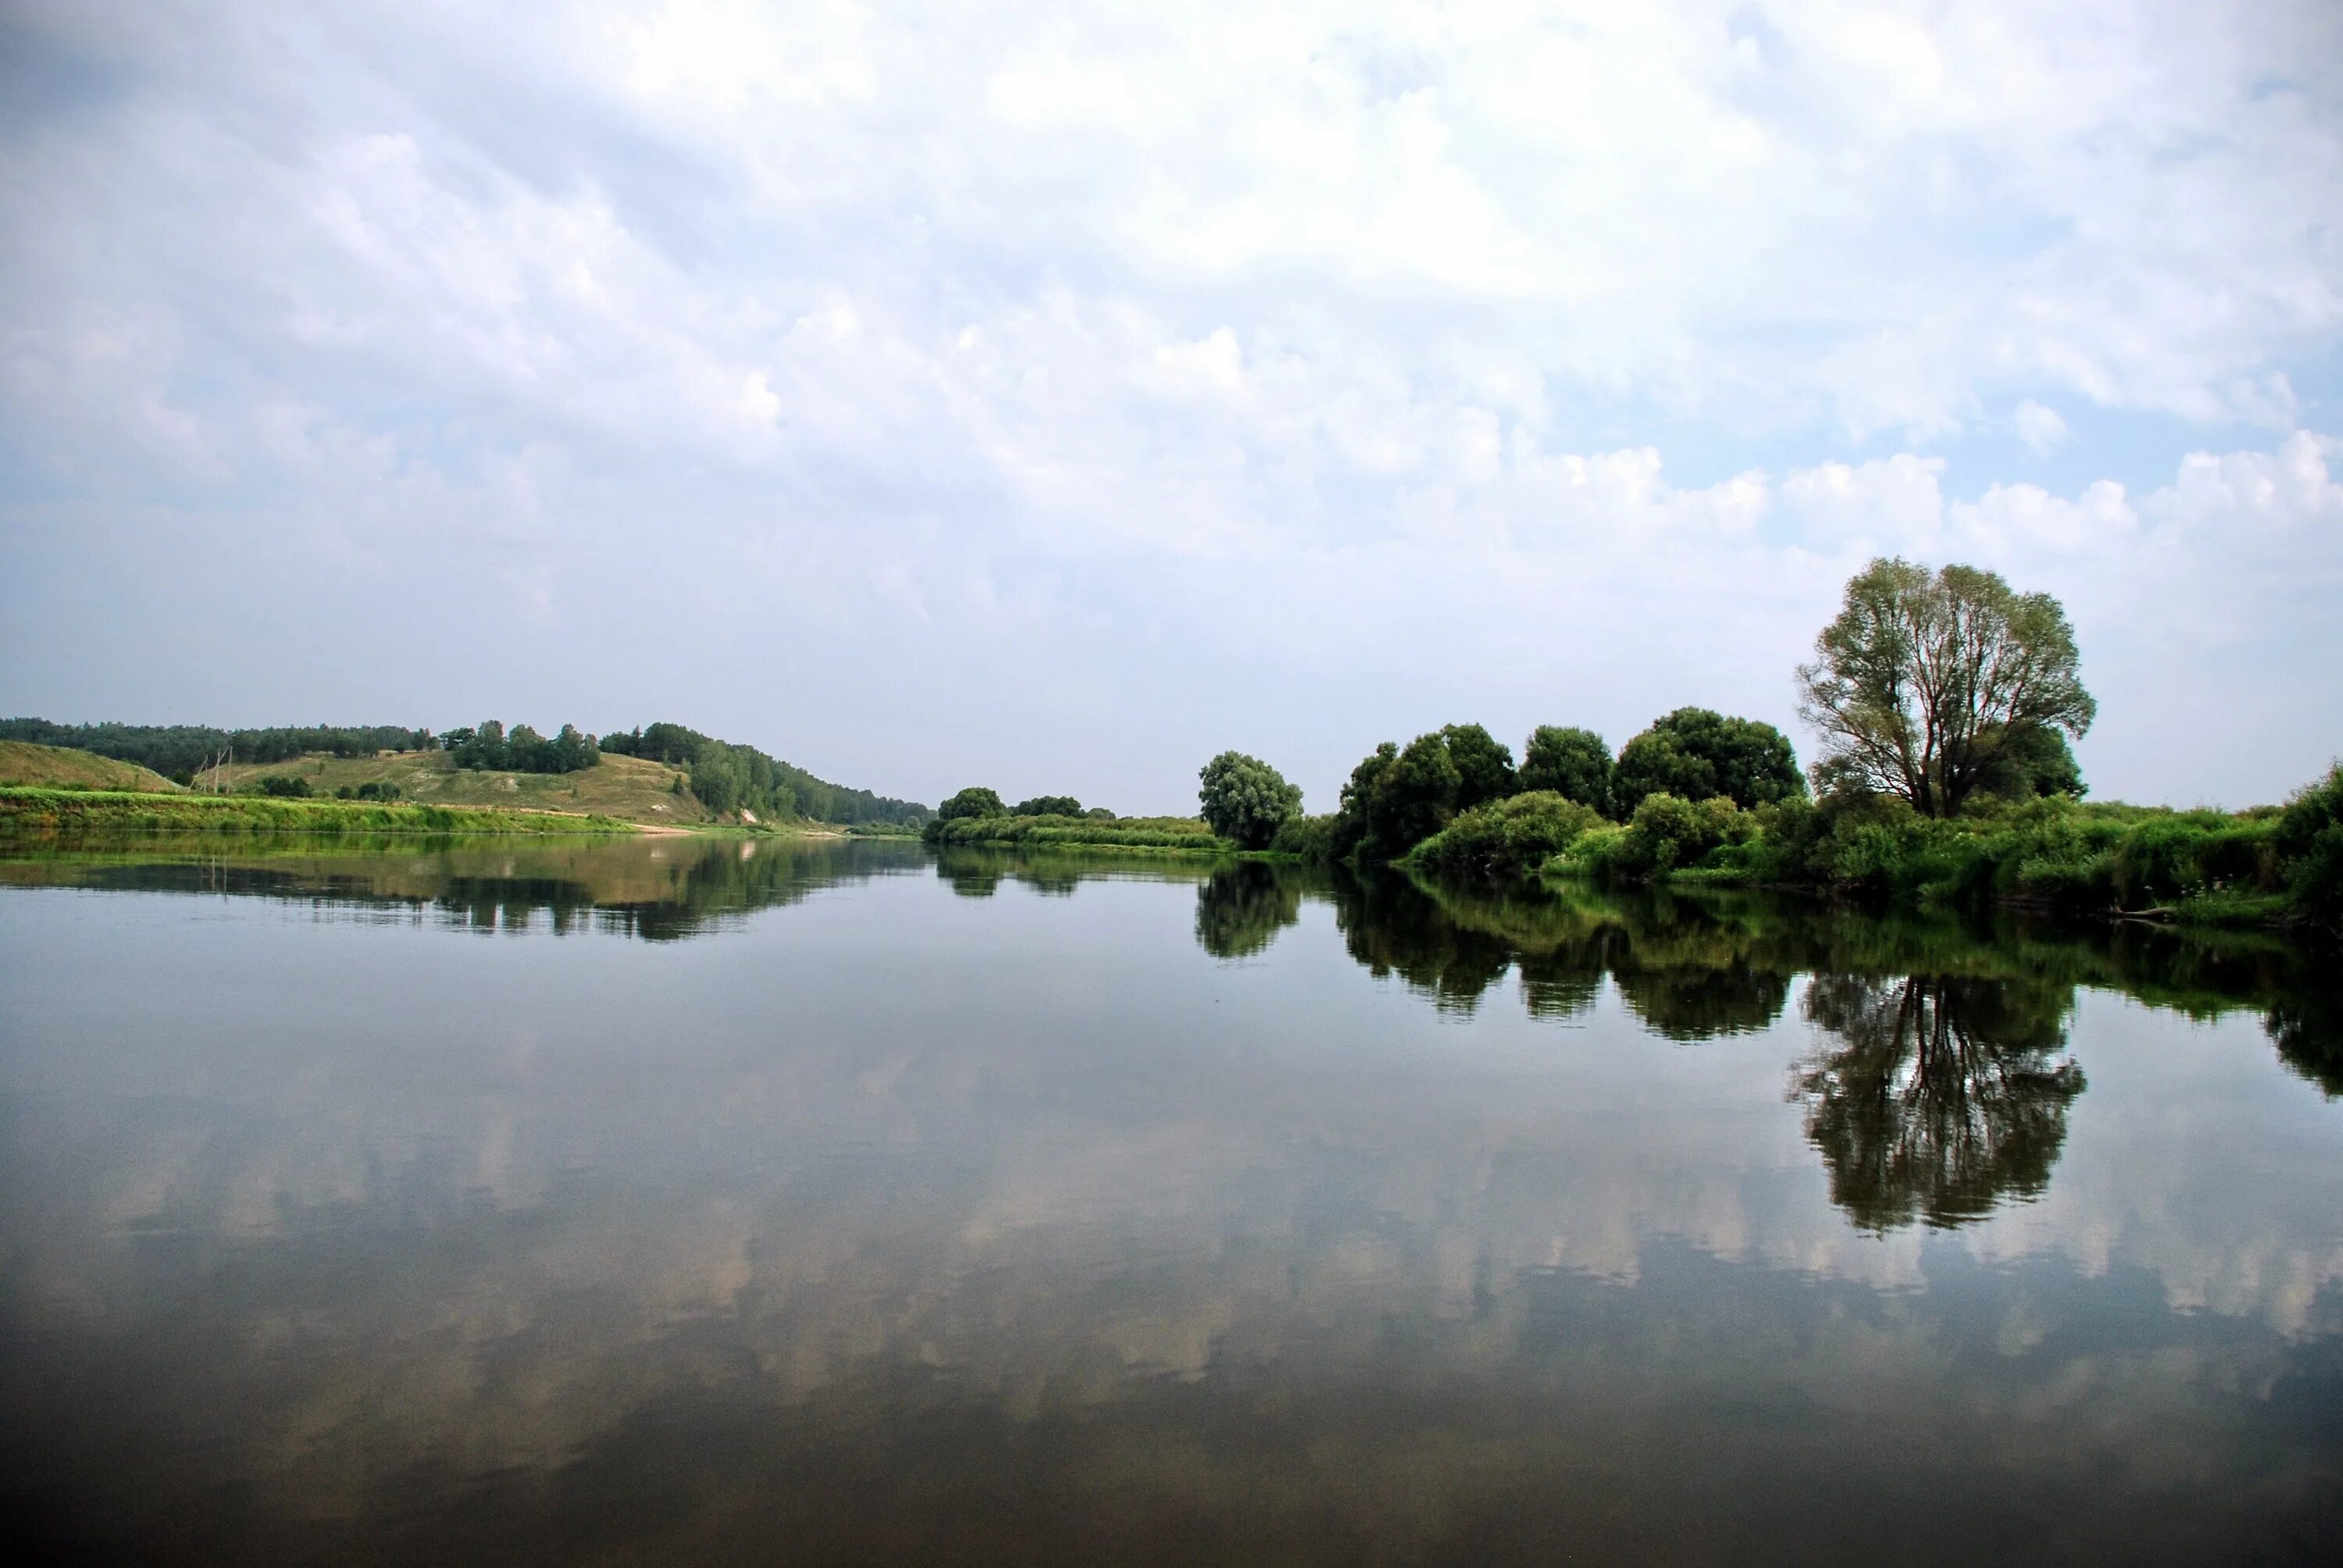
point(180, 749)
point(726, 776)
point(488, 749)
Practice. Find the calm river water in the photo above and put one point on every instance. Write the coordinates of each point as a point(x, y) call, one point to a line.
point(710, 1202)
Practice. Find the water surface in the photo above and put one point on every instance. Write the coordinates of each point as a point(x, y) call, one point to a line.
point(708, 1201)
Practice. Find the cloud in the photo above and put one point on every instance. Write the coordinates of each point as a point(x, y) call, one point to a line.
point(2040, 427)
point(1368, 365)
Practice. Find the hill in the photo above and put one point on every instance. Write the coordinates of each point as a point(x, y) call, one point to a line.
point(62, 768)
point(631, 789)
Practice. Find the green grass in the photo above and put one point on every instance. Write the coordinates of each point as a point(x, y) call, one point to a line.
point(632, 788)
point(23, 762)
point(36, 813)
point(1182, 835)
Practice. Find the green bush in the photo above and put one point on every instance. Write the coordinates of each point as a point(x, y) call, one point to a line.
point(1126, 832)
point(2202, 867)
point(280, 786)
point(2308, 840)
point(1306, 838)
point(1506, 837)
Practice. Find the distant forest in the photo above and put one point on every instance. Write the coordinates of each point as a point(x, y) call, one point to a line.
point(731, 777)
point(725, 776)
point(175, 749)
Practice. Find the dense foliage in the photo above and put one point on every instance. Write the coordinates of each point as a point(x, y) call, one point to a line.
point(1047, 806)
point(1574, 763)
point(1246, 799)
point(729, 777)
point(1694, 753)
point(490, 750)
point(178, 749)
point(1924, 683)
point(1398, 797)
point(1507, 837)
point(973, 801)
point(2204, 866)
point(996, 829)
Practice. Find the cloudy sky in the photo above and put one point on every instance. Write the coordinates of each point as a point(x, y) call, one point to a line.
point(1049, 396)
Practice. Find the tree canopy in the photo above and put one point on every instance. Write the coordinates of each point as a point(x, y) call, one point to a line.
point(1928, 684)
point(726, 776)
point(1695, 754)
point(1246, 799)
point(489, 748)
point(973, 801)
point(1047, 806)
point(1574, 763)
point(175, 749)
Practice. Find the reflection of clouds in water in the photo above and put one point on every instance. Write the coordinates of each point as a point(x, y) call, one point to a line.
point(768, 1158)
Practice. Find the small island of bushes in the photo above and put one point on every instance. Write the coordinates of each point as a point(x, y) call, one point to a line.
point(1946, 700)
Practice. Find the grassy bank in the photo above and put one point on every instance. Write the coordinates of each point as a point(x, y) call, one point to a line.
point(35, 813)
point(632, 788)
point(2270, 866)
point(24, 763)
point(1163, 834)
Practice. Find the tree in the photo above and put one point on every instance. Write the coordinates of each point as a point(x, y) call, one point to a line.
point(1695, 754)
point(1573, 763)
point(2035, 763)
point(1925, 683)
point(1350, 814)
point(971, 802)
point(1047, 806)
point(1484, 767)
point(1414, 798)
point(1246, 799)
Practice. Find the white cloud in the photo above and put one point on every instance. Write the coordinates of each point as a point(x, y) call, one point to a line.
point(1592, 345)
point(2039, 426)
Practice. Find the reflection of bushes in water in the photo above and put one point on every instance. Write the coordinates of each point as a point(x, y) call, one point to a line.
point(1692, 964)
point(1942, 1097)
point(2306, 1027)
point(1702, 1003)
point(1393, 926)
point(509, 903)
point(978, 870)
point(1241, 908)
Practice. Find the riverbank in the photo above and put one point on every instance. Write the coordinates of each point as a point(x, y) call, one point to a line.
point(2270, 867)
point(43, 813)
point(1181, 835)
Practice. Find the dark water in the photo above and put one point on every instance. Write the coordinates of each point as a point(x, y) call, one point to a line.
point(715, 1202)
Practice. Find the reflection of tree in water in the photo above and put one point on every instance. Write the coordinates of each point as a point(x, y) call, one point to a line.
point(2306, 1027)
point(1241, 909)
point(1393, 927)
point(1565, 982)
point(1943, 1097)
point(1701, 1003)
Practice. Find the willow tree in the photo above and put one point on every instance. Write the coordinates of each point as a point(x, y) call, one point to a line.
point(1926, 683)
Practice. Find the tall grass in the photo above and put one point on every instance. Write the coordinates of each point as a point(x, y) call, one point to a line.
point(34, 813)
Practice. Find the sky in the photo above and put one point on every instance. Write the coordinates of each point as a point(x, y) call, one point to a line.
point(1050, 396)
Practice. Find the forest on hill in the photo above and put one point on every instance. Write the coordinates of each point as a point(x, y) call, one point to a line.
point(724, 775)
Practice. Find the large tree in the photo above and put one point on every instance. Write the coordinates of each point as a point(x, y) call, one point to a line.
point(973, 801)
point(1484, 767)
point(1573, 763)
point(1695, 754)
point(1246, 799)
point(1928, 684)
